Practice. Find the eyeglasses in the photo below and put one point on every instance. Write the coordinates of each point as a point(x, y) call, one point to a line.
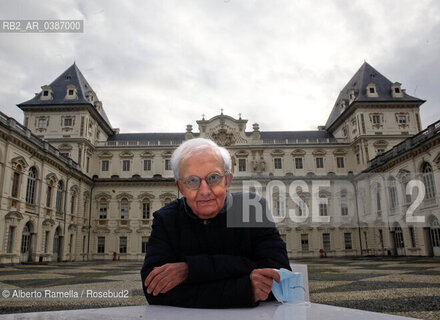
point(194, 182)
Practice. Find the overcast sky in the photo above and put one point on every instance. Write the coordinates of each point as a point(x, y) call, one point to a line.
point(158, 65)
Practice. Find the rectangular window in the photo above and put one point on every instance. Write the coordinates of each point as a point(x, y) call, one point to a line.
point(124, 210)
point(412, 233)
point(46, 242)
point(104, 165)
point(87, 164)
point(123, 245)
point(319, 162)
point(72, 204)
point(45, 93)
point(371, 90)
point(277, 163)
point(70, 92)
point(358, 158)
point(42, 123)
point(10, 239)
point(146, 210)
point(125, 165)
point(323, 209)
point(147, 165)
point(15, 183)
point(68, 122)
point(402, 119)
point(241, 165)
point(344, 206)
point(326, 241)
point(298, 163)
point(103, 209)
point(49, 196)
point(167, 164)
point(347, 241)
point(376, 119)
point(340, 162)
point(305, 242)
point(144, 244)
point(101, 244)
point(71, 243)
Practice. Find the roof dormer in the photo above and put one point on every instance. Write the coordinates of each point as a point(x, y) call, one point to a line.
point(372, 90)
point(342, 105)
point(71, 92)
point(351, 95)
point(46, 94)
point(91, 96)
point(396, 90)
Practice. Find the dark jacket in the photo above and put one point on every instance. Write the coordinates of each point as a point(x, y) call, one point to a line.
point(220, 259)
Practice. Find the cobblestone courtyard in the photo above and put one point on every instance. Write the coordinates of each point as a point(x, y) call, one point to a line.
point(400, 286)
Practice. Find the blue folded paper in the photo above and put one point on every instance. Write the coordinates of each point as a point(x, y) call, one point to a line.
point(290, 289)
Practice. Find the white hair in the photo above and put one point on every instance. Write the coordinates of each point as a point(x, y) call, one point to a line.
point(192, 146)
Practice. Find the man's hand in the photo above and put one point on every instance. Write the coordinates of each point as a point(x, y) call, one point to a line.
point(163, 279)
point(261, 280)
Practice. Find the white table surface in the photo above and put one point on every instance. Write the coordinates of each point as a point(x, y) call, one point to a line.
point(265, 311)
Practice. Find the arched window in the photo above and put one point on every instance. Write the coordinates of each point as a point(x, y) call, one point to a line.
point(378, 198)
point(393, 193)
point(31, 185)
point(428, 180)
point(16, 182)
point(59, 201)
point(124, 208)
point(102, 209)
point(166, 201)
point(146, 209)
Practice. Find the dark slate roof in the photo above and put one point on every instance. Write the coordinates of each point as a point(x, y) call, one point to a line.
point(359, 82)
point(148, 136)
point(316, 134)
point(59, 88)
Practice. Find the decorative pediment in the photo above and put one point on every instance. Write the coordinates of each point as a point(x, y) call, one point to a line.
point(123, 230)
point(147, 195)
point(105, 155)
point(146, 230)
point(124, 195)
point(51, 179)
point(48, 222)
point(74, 189)
point(147, 154)
point(11, 215)
point(340, 152)
point(167, 195)
point(101, 230)
point(380, 144)
point(241, 154)
point(403, 175)
point(437, 161)
point(19, 163)
point(319, 152)
point(65, 147)
point(126, 154)
point(277, 153)
point(167, 154)
point(298, 152)
point(104, 195)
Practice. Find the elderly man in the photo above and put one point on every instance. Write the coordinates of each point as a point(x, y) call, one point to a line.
point(193, 258)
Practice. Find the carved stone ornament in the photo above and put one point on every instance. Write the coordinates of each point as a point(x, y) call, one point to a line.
point(223, 138)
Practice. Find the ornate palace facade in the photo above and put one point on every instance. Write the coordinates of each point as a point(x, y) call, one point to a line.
point(75, 189)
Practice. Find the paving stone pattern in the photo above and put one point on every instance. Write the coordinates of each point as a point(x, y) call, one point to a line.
point(401, 286)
